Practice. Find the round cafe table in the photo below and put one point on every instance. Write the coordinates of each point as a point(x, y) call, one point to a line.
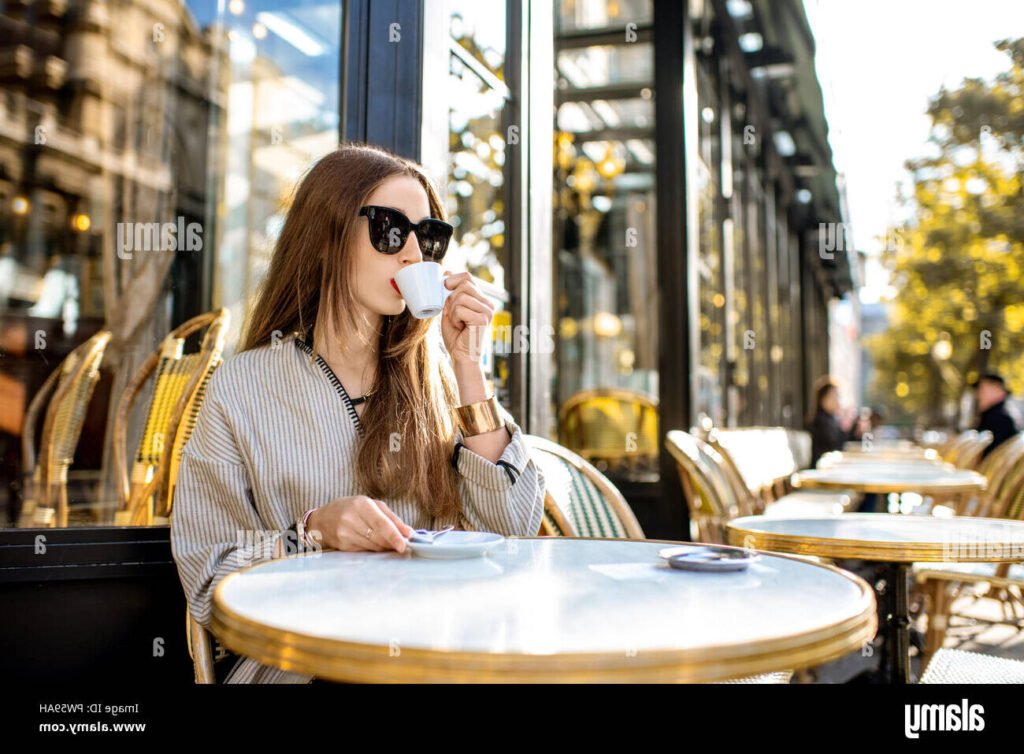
point(896, 542)
point(891, 477)
point(882, 445)
point(540, 609)
point(839, 457)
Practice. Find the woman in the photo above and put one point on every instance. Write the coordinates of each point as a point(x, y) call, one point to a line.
point(335, 425)
point(828, 432)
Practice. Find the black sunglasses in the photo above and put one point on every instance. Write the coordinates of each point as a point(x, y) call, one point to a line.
point(390, 229)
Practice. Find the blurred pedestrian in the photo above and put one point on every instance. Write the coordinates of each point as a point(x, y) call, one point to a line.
point(994, 415)
point(829, 426)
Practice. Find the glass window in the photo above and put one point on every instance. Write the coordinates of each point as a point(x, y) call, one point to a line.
point(710, 261)
point(606, 302)
point(478, 137)
point(575, 15)
point(177, 114)
point(604, 65)
point(280, 94)
point(761, 341)
point(740, 311)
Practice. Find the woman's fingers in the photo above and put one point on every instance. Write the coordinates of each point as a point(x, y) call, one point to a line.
point(464, 283)
point(464, 315)
point(379, 528)
point(473, 301)
point(403, 527)
point(469, 290)
point(480, 313)
point(454, 279)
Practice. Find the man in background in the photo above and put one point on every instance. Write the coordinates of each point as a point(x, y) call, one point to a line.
point(993, 413)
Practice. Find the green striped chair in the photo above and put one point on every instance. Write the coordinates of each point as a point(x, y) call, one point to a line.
point(579, 500)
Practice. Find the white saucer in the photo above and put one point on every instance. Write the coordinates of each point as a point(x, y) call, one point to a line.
point(457, 544)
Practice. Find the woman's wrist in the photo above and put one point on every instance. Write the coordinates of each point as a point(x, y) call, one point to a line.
point(310, 532)
point(469, 376)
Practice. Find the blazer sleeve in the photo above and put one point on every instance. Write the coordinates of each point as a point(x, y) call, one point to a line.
point(506, 497)
point(215, 528)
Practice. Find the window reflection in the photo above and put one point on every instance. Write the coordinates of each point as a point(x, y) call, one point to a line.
point(478, 138)
point(575, 15)
point(280, 94)
point(710, 259)
point(605, 265)
point(121, 114)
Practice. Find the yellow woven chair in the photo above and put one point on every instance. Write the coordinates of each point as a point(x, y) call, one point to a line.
point(72, 385)
point(613, 428)
point(952, 443)
point(966, 448)
point(763, 486)
point(942, 583)
point(180, 379)
point(711, 497)
point(971, 456)
point(146, 497)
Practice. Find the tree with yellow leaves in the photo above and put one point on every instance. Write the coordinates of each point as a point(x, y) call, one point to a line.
point(958, 265)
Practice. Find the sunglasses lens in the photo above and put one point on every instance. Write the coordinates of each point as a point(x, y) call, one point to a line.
point(434, 236)
point(388, 230)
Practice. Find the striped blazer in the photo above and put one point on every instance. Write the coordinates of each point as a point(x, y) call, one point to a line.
point(277, 434)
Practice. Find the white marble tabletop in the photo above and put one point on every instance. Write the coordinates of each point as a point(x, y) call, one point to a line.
point(541, 609)
point(895, 477)
point(882, 444)
point(885, 537)
point(836, 460)
point(873, 450)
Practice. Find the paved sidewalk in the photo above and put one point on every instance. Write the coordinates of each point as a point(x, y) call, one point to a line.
point(971, 633)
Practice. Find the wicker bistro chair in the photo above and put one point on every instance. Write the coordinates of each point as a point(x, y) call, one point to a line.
point(717, 491)
point(970, 455)
point(145, 498)
point(942, 583)
point(579, 500)
point(958, 666)
point(1004, 470)
point(965, 449)
point(785, 452)
point(179, 386)
point(613, 428)
point(955, 443)
point(71, 385)
point(709, 495)
point(765, 459)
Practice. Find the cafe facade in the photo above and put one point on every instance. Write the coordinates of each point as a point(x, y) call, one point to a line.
point(645, 190)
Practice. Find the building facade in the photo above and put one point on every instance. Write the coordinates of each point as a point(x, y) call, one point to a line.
point(644, 188)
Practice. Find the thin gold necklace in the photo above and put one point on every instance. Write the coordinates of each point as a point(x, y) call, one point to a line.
point(362, 398)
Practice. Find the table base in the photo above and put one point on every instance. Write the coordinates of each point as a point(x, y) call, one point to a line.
point(894, 663)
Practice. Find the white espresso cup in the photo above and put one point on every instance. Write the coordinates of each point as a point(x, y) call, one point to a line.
point(422, 287)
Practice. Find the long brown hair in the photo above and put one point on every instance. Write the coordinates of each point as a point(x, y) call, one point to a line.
point(409, 433)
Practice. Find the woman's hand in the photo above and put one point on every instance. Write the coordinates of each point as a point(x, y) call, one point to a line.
point(847, 417)
point(464, 320)
point(358, 523)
